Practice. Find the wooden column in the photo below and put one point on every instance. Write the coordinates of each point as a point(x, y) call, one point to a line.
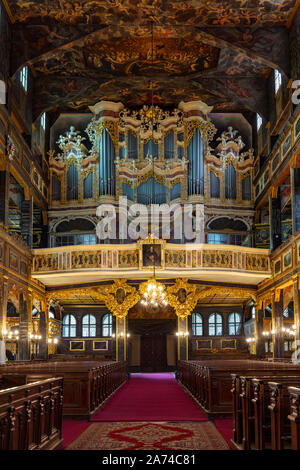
point(277, 315)
point(24, 341)
point(260, 344)
point(121, 339)
point(296, 297)
point(182, 341)
point(4, 195)
point(43, 346)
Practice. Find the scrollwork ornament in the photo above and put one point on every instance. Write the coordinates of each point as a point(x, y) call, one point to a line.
point(120, 297)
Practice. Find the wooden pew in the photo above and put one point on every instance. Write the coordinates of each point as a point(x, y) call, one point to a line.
point(210, 381)
point(265, 406)
point(31, 416)
point(86, 383)
point(294, 416)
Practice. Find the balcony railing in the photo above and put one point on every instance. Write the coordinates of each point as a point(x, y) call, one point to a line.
point(178, 260)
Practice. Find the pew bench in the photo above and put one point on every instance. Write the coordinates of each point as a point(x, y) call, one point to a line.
point(31, 416)
point(210, 381)
point(261, 412)
point(87, 384)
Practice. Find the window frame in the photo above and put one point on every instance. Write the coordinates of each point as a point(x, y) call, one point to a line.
point(197, 324)
point(235, 324)
point(90, 326)
point(70, 326)
point(216, 324)
point(108, 325)
point(23, 78)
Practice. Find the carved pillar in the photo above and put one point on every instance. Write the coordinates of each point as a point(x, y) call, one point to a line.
point(183, 339)
point(4, 195)
point(260, 346)
point(121, 339)
point(277, 315)
point(43, 346)
point(24, 342)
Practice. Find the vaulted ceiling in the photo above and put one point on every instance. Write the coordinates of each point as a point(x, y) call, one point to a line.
point(220, 52)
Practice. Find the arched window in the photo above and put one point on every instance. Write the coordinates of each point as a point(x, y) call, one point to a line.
point(88, 326)
point(107, 324)
point(197, 324)
point(234, 324)
point(69, 326)
point(75, 232)
point(215, 325)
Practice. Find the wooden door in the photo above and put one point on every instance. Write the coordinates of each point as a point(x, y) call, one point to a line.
point(153, 353)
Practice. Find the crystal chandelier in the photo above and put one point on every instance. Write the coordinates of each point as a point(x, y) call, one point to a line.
point(153, 294)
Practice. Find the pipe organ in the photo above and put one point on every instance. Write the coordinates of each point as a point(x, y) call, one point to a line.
point(150, 155)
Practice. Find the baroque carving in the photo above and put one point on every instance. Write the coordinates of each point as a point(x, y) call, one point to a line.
point(120, 297)
point(183, 297)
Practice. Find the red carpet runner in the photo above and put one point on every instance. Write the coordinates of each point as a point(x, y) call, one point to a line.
point(150, 397)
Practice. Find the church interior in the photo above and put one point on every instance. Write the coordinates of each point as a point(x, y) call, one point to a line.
point(150, 225)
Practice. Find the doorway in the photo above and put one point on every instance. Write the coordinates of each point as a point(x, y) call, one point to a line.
point(153, 353)
point(152, 345)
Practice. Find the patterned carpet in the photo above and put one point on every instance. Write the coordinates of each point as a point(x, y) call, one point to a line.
point(150, 436)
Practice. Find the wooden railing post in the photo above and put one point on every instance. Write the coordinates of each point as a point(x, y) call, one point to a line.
point(276, 415)
point(294, 416)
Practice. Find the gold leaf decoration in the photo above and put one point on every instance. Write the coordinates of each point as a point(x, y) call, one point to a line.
point(183, 297)
point(120, 297)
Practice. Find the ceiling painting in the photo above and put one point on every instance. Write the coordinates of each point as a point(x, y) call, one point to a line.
point(82, 52)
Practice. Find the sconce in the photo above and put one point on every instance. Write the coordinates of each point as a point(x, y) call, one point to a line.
point(52, 340)
point(11, 335)
point(182, 334)
point(250, 340)
point(120, 335)
point(34, 337)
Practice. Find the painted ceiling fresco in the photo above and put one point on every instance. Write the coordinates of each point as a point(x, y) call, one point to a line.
point(213, 12)
point(81, 52)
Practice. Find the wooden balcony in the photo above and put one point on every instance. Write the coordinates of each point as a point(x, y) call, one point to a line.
point(90, 263)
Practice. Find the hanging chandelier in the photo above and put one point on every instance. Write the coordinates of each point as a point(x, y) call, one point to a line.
point(153, 294)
